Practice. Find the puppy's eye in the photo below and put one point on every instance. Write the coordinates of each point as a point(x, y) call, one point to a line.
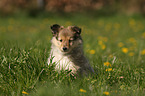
point(70, 40)
point(60, 40)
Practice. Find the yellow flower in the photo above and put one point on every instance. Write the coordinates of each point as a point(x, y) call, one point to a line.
point(120, 44)
point(100, 42)
point(10, 28)
point(131, 54)
point(131, 22)
point(105, 39)
point(92, 52)
point(102, 39)
point(87, 45)
point(25, 92)
point(110, 56)
point(143, 35)
point(103, 46)
point(143, 52)
point(109, 69)
point(82, 90)
point(132, 40)
point(131, 48)
point(125, 50)
point(107, 64)
point(106, 93)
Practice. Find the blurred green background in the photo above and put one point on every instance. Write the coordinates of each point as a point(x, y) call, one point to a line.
point(114, 42)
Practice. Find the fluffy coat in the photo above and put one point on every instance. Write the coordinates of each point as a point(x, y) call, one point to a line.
point(67, 50)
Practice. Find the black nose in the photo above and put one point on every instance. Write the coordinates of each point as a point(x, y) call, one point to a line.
point(64, 48)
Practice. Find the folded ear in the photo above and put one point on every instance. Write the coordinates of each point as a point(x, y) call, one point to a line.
point(76, 30)
point(55, 29)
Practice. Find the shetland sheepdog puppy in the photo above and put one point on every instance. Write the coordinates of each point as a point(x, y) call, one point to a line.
point(67, 50)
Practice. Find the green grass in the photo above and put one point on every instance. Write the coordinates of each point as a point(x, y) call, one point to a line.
point(25, 46)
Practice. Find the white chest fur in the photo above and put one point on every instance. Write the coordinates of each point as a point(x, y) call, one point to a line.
point(62, 62)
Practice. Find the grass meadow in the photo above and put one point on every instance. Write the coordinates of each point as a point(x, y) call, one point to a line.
point(114, 45)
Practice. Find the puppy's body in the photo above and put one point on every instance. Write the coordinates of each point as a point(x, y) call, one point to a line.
point(67, 50)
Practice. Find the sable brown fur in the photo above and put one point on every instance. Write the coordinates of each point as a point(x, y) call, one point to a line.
point(67, 50)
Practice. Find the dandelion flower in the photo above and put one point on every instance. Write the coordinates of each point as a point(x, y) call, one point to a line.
point(131, 40)
point(92, 52)
point(120, 44)
point(87, 46)
point(125, 50)
point(143, 35)
point(25, 92)
point(110, 56)
point(131, 48)
point(143, 52)
point(106, 93)
point(103, 46)
point(107, 64)
point(82, 90)
point(105, 39)
point(131, 22)
point(10, 28)
point(109, 69)
point(131, 54)
point(100, 42)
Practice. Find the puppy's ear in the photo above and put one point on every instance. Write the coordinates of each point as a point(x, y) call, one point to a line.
point(76, 30)
point(55, 29)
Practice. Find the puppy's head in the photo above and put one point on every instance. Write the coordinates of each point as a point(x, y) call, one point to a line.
point(66, 38)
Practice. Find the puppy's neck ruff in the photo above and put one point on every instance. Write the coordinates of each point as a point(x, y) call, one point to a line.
point(62, 60)
point(67, 50)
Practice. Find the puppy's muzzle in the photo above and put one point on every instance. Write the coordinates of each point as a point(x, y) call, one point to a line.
point(65, 49)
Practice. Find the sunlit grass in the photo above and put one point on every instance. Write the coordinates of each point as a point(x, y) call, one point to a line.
point(114, 46)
